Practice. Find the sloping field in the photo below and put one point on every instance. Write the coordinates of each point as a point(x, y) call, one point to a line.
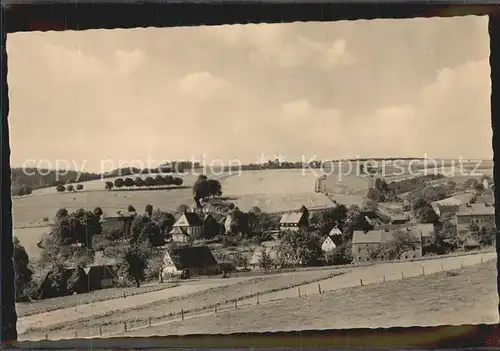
point(274, 190)
point(462, 296)
point(29, 238)
point(197, 295)
point(32, 209)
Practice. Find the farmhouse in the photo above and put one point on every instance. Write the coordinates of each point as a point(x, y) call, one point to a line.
point(189, 223)
point(480, 214)
point(179, 235)
point(101, 273)
point(120, 220)
point(447, 208)
point(294, 220)
point(196, 260)
point(364, 243)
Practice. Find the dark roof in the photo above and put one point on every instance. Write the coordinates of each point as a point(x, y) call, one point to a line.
point(192, 218)
point(192, 257)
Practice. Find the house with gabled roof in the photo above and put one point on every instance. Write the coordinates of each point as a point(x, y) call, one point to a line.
point(480, 214)
point(363, 243)
point(195, 260)
point(294, 220)
point(190, 223)
point(117, 220)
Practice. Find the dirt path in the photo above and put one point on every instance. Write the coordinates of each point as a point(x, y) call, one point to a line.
point(91, 309)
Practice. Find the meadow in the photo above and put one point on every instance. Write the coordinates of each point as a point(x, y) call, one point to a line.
point(274, 190)
point(460, 296)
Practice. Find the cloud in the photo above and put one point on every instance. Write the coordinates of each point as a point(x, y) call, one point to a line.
point(129, 61)
point(456, 109)
point(203, 86)
point(281, 44)
point(77, 64)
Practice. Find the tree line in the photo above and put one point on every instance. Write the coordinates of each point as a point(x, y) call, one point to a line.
point(144, 182)
point(69, 188)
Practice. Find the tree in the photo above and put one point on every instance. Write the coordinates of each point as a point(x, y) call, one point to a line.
point(214, 187)
point(182, 208)
point(108, 185)
point(143, 229)
point(299, 249)
point(131, 208)
point(79, 187)
point(61, 213)
point(98, 211)
point(139, 182)
point(159, 180)
point(266, 262)
point(22, 274)
point(149, 181)
point(426, 214)
point(129, 182)
point(119, 183)
point(61, 188)
point(70, 188)
point(487, 236)
point(402, 242)
point(164, 220)
point(325, 220)
point(149, 210)
point(132, 262)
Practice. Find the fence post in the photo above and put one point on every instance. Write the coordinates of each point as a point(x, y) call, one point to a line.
point(236, 304)
point(481, 259)
point(442, 267)
point(215, 309)
point(298, 288)
point(423, 270)
point(402, 275)
point(76, 335)
point(46, 336)
point(149, 321)
point(319, 288)
point(361, 282)
point(383, 279)
point(258, 299)
point(462, 266)
point(100, 330)
point(182, 314)
point(125, 326)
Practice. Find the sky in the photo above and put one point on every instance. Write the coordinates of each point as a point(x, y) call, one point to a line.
point(95, 100)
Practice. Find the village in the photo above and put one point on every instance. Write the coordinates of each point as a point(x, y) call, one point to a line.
point(213, 237)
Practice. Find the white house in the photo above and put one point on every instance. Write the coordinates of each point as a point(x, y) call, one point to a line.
point(328, 245)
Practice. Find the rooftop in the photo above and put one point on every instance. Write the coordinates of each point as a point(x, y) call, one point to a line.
point(476, 209)
point(291, 217)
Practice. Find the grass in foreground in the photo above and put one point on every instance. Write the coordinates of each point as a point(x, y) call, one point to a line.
point(456, 297)
point(158, 310)
point(41, 306)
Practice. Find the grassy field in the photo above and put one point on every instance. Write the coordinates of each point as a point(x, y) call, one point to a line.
point(29, 238)
point(112, 321)
point(42, 306)
point(457, 297)
point(274, 190)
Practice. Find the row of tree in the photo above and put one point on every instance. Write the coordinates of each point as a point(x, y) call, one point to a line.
point(22, 190)
point(69, 188)
point(144, 182)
